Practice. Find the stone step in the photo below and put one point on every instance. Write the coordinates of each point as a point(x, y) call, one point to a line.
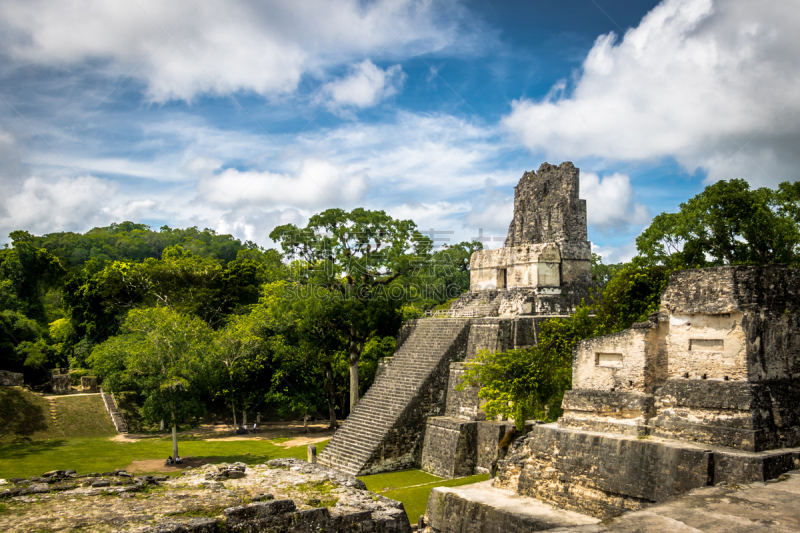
point(379, 411)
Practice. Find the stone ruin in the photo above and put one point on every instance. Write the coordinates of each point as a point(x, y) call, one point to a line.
point(412, 415)
point(89, 384)
point(10, 379)
point(545, 265)
point(703, 393)
point(286, 495)
point(60, 381)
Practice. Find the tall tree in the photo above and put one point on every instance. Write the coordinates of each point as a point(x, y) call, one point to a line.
point(163, 354)
point(237, 363)
point(354, 256)
point(726, 224)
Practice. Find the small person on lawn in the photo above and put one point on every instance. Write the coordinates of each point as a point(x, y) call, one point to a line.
point(168, 461)
point(254, 428)
point(177, 460)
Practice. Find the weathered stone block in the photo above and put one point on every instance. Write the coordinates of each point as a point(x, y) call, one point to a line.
point(89, 383)
point(489, 435)
point(10, 379)
point(601, 474)
point(450, 446)
point(463, 404)
point(60, 383)
point(479, 508)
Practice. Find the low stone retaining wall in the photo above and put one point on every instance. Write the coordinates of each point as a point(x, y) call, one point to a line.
point(10, 379)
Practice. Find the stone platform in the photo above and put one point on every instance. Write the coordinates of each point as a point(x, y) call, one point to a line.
point(481, 508)
point(606, 474)
point(725, 508)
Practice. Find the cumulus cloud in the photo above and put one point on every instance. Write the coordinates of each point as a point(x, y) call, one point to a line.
point(317, 184)
point(184, 48)
point(609, 202)
point(711, 84)
point(616, 254)
point(365, 86)
point(42, 205)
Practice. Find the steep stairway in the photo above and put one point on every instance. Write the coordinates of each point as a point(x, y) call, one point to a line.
point(384, 432)
point(477, 304)
point(113, 411)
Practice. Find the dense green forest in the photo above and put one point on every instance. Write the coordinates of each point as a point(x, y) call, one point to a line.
point(188, 319)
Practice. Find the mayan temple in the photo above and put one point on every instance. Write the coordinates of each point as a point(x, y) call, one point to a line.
point(412, 415)
point(703, 393)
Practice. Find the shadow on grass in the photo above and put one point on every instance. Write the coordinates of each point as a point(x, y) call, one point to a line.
point(22, 448)
point(19, 414)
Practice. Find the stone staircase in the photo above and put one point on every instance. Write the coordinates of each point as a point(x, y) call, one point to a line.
point(385, 430)
point(113, 411)
point(477, 304)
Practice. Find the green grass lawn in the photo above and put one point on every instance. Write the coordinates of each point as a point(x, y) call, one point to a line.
point(25, 416)
point(413, 487)
point(98, 454)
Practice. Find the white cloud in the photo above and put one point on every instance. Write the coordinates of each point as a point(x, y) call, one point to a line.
point(616, 254)
point(41, 205)
point(714, 85)
point(221, 46)
point(365, 86)
point(316, 185)
point(609, 202)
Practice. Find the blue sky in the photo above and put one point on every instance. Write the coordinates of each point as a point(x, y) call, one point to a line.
point(242, 115)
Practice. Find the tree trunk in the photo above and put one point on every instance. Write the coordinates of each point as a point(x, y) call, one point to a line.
point(233, 408)
point(175, 442)
point(330, 392)
point(354, 357)
point(244, 417)
point(305, 422)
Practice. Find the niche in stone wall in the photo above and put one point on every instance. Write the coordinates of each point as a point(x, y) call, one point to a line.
point(608, 359)
point(706, 345)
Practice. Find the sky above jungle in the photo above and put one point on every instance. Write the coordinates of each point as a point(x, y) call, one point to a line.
point(243, 115)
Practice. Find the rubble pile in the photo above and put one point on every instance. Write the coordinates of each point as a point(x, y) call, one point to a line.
point(284, 494)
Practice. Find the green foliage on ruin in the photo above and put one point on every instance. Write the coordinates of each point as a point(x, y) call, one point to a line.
point(529, 383)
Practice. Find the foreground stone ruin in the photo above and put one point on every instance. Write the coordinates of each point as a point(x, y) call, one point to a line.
point(286, 495)
point(703, 394)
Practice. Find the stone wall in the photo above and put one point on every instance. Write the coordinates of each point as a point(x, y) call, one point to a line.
point(89, 384)
point(547, 207)
point(450, 447)
point(631, 360)
point(489, 435)
point(747, 416)
point(601, 475)
point(10, 379)
point(463, 404)
point(60, 383)
point(606, 474)
point(534, 265)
